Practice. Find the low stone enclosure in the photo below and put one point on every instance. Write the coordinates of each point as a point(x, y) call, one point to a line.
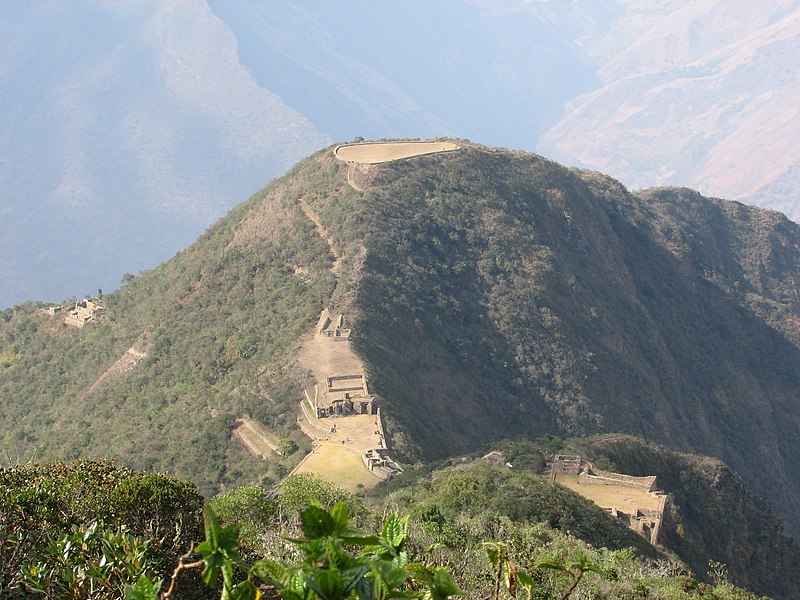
point(598, 477)
point(566, 463)
point(646, 523)
point(377, 461)
point(333, 327)
point(646, 519)
point(347, 383)
point(345, 395)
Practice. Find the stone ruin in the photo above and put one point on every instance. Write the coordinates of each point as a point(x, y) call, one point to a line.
point(84, 311)
point(592, 476)
point(645, 522)
point(348, 394)
point(345, 395)
point(333, 327)
point(377, 461)
point(495, 457)
point(569, 464)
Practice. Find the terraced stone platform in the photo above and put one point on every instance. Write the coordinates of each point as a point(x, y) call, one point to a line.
point(372, 153)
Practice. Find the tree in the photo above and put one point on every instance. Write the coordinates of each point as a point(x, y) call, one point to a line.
point(287, 446)
point(250, 508)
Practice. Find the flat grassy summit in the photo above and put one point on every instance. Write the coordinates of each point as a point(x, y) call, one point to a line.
point(490, 294)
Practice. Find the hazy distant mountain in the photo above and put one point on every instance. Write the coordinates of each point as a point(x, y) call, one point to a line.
point(130, 127)
point(496, 71)
point(701, 93)
point(127, 128)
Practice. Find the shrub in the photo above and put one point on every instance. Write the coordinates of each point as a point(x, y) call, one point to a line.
point(106, 508)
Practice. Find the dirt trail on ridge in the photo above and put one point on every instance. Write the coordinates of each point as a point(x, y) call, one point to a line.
point(314, 218)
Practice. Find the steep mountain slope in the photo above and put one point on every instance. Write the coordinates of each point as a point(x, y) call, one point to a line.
point(215, 325)
point(134, 126)
point(667, 93)
point(533, 296)
point(493, 293)
point(711, 514)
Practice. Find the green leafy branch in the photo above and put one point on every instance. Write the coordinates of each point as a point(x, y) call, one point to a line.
point(507, 572)
point(576, 566)
point(339, 562)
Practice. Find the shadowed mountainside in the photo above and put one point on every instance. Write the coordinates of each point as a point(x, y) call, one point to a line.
point(538, 298)
point(711, 513)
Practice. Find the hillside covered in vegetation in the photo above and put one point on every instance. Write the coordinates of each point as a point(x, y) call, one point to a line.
point(711, 514)
point(492, 294)
point(91, 530)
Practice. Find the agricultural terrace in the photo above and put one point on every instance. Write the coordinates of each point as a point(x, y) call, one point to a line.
point(379, 152)
point(339, 464)
point(626, 499)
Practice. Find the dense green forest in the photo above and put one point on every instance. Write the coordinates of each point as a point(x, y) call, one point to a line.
point(492, 294)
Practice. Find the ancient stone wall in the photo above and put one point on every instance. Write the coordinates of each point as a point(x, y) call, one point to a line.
point(598, 477)
point(83, 312)
point(324, 321)
point(569, 464)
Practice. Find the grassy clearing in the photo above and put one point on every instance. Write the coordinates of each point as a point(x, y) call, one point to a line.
point(336, 464)
point(253, 443)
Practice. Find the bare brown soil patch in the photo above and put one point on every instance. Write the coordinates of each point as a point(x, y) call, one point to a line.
point(325, 357)
point(341, 441)
point(356, 432)
point(380, 152)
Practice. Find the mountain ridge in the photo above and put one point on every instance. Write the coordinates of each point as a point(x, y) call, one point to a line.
point(709, 100)
point(495, 293)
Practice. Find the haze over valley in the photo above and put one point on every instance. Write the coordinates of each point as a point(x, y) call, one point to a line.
point(135, 126)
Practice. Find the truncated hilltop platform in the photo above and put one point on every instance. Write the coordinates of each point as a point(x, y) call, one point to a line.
point(372, 153)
